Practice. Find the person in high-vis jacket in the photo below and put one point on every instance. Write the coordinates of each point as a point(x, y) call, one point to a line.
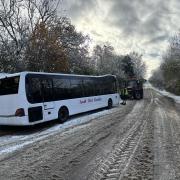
point(124, 95)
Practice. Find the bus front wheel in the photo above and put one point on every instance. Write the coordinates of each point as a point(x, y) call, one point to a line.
point(63, 114)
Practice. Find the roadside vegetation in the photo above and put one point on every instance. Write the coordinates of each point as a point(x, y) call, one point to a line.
point(34, 37)
point(168, 75)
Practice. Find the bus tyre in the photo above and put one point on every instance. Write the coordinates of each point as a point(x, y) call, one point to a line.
point(110, 103)
point(137, 95)
point(63, 114)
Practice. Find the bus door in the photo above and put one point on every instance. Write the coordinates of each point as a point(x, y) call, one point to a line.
point(48, 102)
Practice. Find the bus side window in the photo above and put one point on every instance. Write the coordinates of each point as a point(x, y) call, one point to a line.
point(47, 90)
point(99, 89)
point(76, 88)
point(105, 87)
point(112, 87)
point(89, 88)
point(33, 90)
point(61, 88)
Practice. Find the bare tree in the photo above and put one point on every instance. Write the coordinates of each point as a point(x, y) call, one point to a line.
point(44, 52)
point(170, 67)
point(11, 23)
point(18, 19)
point(157, 79)
point(104, 57)
point(75, 45)
point(138, 65)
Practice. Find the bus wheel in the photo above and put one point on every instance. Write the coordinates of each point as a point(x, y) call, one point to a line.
point(110, 103)
point(63, 114)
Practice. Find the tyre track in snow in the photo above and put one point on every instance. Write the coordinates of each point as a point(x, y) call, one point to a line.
point(118, 161)
point(10, 143)
point(167, 144)
point(73, 143)
point(68, 154)
point(120, 132)
point(107, 130)
point(142, 141)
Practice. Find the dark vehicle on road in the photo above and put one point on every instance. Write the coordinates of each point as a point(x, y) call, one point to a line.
point(135, 89)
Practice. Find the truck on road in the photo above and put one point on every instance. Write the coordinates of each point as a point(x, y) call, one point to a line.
point(135, 89)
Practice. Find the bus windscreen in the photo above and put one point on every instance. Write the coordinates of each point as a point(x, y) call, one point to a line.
point(9, 85)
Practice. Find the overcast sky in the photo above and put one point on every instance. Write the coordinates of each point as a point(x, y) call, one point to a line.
point(129, 25)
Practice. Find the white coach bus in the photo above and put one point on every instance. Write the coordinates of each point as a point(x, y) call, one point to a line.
point(29, 98)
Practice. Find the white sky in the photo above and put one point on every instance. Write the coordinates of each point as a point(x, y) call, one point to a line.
point(144, 26)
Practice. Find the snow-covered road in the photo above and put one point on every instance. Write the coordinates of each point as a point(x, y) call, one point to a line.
point(12, 143)
point(137, 141)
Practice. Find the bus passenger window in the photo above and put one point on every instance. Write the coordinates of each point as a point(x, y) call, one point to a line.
point(33, 90)
point(47, 90)
point(76, 88)
point(61, 88)
point(9, 85)
point(89, 88)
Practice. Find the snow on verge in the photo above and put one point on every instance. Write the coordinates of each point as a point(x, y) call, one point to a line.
point(166, 93)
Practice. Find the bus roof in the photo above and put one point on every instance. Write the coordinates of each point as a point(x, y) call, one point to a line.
point(44, 73)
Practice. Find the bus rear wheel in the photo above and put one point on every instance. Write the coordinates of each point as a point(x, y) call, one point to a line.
point(110, 103)
point(63, 114)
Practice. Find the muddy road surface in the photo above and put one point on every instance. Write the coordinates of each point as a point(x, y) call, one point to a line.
point(138, 141)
